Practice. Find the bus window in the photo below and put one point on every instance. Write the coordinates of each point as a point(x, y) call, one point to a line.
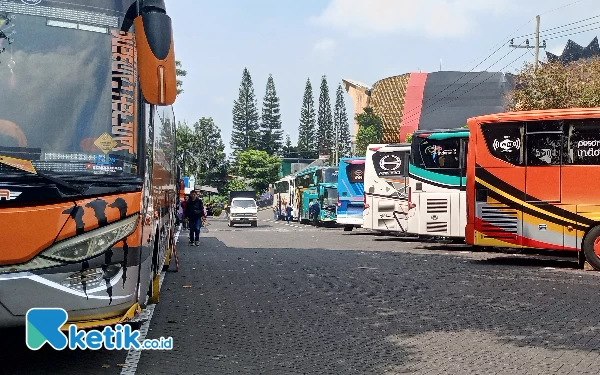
point(583, 142)
point(388, 164)
point(505, 141)
point(544, 143)
point(355, 172)
point(438, 153)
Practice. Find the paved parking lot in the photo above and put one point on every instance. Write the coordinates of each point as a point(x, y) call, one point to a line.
point(290, 299)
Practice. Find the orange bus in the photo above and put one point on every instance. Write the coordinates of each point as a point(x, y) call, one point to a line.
point(87, 157)
point(529, 178)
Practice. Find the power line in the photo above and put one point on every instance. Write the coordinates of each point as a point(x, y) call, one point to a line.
point(561, 26)
point(580, 32)
point(562, 31)
point(561, 7)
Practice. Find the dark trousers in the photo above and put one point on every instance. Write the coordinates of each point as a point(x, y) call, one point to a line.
point(195, 225)
point(288, 217)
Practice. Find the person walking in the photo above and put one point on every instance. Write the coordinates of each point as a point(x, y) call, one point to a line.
point(183, 205)
point(194, 212)
point(316, 211)
point(288, 213)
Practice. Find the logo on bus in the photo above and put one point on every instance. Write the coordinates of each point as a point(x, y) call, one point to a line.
point(507, 144)
point(7, 195)
point(31, 2)
point(390, 162)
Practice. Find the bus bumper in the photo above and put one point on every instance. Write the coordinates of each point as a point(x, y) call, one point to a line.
point(357, 222)
point(105, 299)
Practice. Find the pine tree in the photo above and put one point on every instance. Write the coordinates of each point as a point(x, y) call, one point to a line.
point(340, 120)
point(271, 133)
point(287, 148)
point(245, 134)
point(325, 121)
point(307, 146)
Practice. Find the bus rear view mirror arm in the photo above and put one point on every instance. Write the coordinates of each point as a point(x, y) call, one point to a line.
point(156, 56)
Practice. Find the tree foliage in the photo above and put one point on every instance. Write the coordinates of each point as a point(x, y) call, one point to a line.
point(236, 185)
point(370, 130)
point(554, 85)
point(409, 138)
point(325, 120)
point(289, 150)
point(340, 121)
point(270, 126)
point(307, 143)
point(186, 145)
point(180, 73)
point(245, 134)
point(201, 152)
point(210, 153)
point(260, 168)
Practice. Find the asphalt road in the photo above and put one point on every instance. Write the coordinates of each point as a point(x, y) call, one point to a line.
point(294, 299)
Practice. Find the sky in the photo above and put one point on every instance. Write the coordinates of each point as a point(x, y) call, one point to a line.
point(362, 40)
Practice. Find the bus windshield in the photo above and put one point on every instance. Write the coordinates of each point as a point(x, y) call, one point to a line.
point(330, 197)
point(68, 87)
point(436, 153)
point(282, 187)
point(329, 175)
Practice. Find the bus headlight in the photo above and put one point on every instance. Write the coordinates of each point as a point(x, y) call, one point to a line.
point(93, 243)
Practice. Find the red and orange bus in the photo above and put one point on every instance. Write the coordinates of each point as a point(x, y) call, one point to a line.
point(530, 181)
point(87, 157)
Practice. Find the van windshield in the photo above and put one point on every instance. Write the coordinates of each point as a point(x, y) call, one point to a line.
point(243, 203)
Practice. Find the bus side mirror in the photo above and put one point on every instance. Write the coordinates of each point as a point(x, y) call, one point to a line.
point(156, 56)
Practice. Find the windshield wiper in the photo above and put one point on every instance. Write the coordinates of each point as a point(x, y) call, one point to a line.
point(61, 182)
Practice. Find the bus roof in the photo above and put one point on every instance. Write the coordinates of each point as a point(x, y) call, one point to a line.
point(441, 134)
point(538, 115)
point(355, 160)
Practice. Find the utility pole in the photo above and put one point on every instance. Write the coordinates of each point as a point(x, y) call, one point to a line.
point(537, 41)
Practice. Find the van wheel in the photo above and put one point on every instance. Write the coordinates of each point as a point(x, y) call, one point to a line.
point(348, 228)
point(591, 247)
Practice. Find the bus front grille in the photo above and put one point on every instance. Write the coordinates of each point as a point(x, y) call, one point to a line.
point(437, 206)
point(499, 221)
point(437, 227)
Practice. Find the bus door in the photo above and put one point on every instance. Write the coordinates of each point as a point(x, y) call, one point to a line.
point(543, 156)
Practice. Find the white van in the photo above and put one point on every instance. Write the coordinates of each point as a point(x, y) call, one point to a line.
point(243, 211)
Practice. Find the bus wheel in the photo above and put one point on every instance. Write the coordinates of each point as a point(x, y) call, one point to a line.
point(348, 228)
point(591, 247)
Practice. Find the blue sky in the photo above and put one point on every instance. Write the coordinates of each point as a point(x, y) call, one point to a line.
point(364, 40)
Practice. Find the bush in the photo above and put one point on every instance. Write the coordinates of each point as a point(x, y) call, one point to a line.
point(217, 211)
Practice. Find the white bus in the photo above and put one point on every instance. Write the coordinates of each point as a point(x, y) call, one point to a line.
point(437, 173)
point(386, 188)
point(284, 194)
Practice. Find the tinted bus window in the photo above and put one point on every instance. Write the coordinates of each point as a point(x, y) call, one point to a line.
point(505, 141)
point(583, 142)
point(436, 154)
point(544, 149)
point(389, 164)
point(355, 172)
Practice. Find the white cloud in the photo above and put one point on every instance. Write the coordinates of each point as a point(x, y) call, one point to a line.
point(325, 45)
point(448, 18)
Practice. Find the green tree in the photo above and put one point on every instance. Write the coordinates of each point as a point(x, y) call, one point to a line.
point(236, 185)
point(186, 146)
point(289, 150)
point(307, 145)
point(210, 153)
point(340, 121)
point(325, 121)
point(271, 133)
point(370, 130)
point(409, 138)
point(245, 134)
point(554, 85)
point(180, 73)
point(260, 168)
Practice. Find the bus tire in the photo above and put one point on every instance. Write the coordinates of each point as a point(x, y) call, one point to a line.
point(254, 224)
point(591, 247)
point(348, 228)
